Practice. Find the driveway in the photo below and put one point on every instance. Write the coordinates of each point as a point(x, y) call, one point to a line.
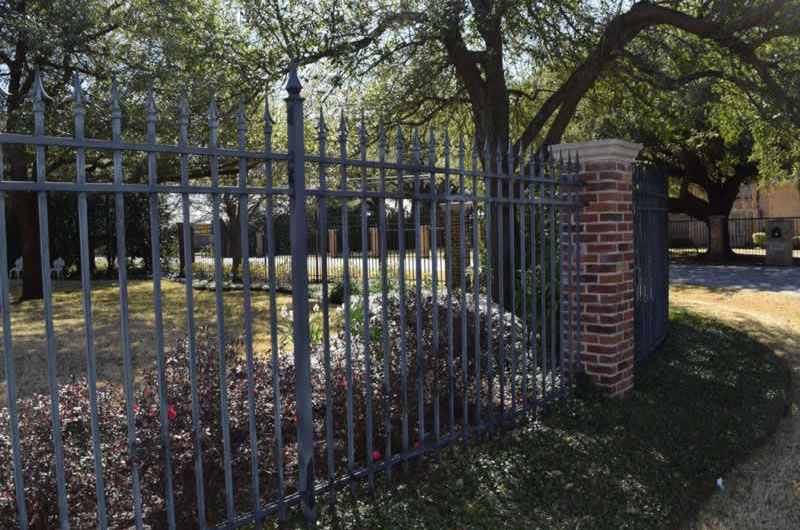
point(784, 280)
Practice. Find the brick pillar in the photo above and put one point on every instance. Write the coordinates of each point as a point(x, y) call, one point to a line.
point(606, 277)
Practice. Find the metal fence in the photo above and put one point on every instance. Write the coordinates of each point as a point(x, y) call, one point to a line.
point(651, 259)
point(403, 364)
point(747, 236)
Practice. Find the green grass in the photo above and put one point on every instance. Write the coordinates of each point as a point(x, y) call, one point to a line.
point(702, 403)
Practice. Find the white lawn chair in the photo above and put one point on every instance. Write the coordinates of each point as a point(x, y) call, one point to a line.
point(16, 271)
point(58, 268)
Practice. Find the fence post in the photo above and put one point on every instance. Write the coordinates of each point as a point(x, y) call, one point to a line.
point(299, 245)
point(717, 237)
point(606, 279)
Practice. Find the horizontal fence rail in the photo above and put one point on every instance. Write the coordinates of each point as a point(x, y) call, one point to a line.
point(394, 298)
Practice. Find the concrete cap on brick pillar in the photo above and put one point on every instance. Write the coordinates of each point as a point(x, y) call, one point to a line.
point(612, 148)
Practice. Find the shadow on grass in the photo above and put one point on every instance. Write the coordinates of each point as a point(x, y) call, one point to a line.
point(703, 402)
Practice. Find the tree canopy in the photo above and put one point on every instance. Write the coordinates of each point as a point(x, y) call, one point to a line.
point(515, 74)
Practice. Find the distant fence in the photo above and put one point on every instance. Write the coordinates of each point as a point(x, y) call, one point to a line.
point(399, 367)
point(691, 237)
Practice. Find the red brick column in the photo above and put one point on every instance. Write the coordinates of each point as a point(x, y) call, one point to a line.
point(606, 273)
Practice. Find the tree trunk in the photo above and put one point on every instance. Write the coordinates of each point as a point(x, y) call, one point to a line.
point(719, 243)
point(26, 210)
point(27, 214)
point(232, 230)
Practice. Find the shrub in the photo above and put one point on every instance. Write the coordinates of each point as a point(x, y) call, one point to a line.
point(426, 366)
point(37, 447)
point(760, 239)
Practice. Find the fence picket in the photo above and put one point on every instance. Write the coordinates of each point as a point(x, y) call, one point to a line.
point(528, 311)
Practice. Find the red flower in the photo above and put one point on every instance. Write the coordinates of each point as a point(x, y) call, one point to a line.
point(171, 414)
point(416, 445)
point(344, 382)
point(148, 393)
point(376, 455)
point(295, 418)
point(153, 410)
point(135, 407)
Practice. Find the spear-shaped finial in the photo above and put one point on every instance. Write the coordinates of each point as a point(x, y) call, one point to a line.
point(399, 139)
point(212, 111)
point(78, 110)
point(532, 161)
point(113, 96)
point(268, 121)
point(431, 146)
point(241, 125)
point(38, 91)
point(77, 95)
point(446, 142)
point(151, 102)
point(362, 131)
point(499, 158)
point(116, 111)
point(183, 115)
point(241, 121)
point(461, 147)
point(322, 128)
point(415, 144)
point(381, 133)
point(293, 85)
point(343, 130)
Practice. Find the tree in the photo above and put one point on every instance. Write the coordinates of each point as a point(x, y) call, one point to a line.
point(520, 70)
point(713, 132)
point(485, 56)
point(59, 37)
point(138, 42)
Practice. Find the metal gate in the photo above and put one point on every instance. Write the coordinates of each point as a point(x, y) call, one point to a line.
point(651, 258)
point(433, 350)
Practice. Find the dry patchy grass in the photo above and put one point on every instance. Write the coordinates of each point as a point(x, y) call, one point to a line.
point(763, 492)
point(28, 328)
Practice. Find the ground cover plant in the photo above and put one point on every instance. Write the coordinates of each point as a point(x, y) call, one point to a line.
point(249, 383)
point(702, 403)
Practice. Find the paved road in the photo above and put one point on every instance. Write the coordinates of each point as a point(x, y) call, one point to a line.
point(773, 279)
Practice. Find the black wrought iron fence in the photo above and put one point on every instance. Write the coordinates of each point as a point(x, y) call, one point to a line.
point(227, 424)
point(746, 236)
point(651, 259)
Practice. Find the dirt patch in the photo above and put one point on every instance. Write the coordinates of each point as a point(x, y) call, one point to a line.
point(763, 492)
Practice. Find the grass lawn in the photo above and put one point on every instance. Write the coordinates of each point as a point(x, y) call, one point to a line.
point(709, 397)
point(28, 329)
